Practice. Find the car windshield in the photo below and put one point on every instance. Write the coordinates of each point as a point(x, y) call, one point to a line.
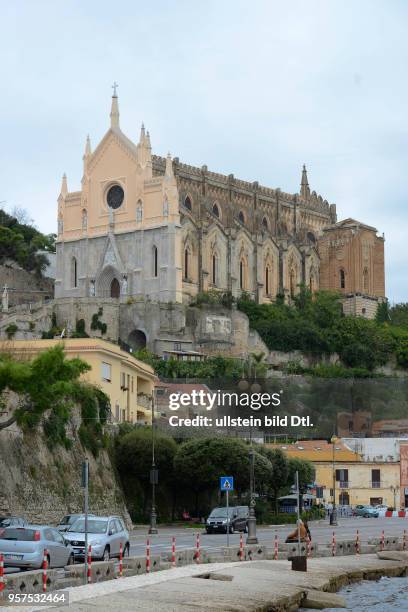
point(68, 519)
point(23, 535)
point(94, 526)
point(222, 512)
point(4, 521)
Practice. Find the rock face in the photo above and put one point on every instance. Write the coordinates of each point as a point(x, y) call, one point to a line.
point(42, 485)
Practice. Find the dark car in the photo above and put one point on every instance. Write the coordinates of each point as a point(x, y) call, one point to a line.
point(236, 519)
point(12, 521)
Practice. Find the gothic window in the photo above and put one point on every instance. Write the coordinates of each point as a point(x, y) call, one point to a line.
point(216, 211)
point(166, 207)
point(365, 280)
point(155, 262)
point(242, 275)
point(267, 280)
point(84, 220)
point(74, 272)
point(292, 276)
point(311, 237)
point(342, 279)
point(214, 271)
point(265, 223)
point(139, 211)
point(241, 217)
point(187, 203)
point(186, 263)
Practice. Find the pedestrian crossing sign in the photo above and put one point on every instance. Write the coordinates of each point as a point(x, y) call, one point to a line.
point(226, 483)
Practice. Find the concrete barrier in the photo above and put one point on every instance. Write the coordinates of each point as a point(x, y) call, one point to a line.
point(292, 549)
point(133, 566)
point(30, 582)
point(100, 571)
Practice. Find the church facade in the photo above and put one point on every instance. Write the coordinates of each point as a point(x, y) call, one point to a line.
point(144, 227)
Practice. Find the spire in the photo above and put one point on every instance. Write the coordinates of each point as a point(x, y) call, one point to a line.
point(142, 134)
point(149, 146)
point(169, 167)
point(88, 149)
point(304, 185)
point(114, 115)
point(64, 186)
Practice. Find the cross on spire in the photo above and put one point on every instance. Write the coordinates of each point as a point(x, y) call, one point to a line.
point(114, 87)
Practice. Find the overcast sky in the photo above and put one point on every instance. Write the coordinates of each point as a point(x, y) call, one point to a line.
point(251, 88)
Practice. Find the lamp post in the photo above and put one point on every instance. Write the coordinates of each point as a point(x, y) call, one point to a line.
point(154, 476)
point(395, 489)
point(333, 515)
point(255, 387)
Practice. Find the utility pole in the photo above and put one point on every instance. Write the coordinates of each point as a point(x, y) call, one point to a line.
point(154, 475)
point(85, 485)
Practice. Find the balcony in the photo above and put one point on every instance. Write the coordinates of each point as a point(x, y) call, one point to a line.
point(375, 484)
point(344, 484)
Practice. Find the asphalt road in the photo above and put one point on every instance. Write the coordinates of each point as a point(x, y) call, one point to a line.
point(321, 533)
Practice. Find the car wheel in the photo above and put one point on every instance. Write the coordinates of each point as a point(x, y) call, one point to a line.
point(231, 529)
point(106, 554)
point(71, 559)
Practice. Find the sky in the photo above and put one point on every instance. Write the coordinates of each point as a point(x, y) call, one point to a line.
point(250, 88)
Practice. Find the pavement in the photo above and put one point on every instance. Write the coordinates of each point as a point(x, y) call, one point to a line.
point(239, 587)
point(321, 533)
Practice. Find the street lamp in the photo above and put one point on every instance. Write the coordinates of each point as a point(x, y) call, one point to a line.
point(395, 489)
point(251, 537)
point(333, 515)
point(154, 476)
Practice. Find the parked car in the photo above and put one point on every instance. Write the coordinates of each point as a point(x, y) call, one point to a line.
point(366, 511)
point(105, 534)
point(12, 521)
point(23, 547)
point(237, 519)
point(381, 507)
point(68, 520)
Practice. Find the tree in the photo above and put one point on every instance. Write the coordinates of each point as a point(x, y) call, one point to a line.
point(50, 381)
point(133, 455)
point(305, 470)
point(279, 473)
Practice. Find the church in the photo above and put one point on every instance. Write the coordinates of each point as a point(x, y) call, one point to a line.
point(145, 227)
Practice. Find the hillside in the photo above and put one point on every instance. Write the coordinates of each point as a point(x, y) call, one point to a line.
point(21, 242)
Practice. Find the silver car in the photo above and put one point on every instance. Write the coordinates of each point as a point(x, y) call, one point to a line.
point(105, 535)
point(68, 520)
point(24, 547)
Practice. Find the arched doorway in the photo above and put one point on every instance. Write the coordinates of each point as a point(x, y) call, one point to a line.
point(137, 339)
point(115, 288)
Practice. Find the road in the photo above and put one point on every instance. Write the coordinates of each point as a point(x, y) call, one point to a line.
point(321, 533)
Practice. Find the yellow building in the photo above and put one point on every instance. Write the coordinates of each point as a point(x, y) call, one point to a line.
point(127, 381)
point(357, 481)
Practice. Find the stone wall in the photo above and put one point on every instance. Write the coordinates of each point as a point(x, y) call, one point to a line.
point(24, 287)
point(42, 485)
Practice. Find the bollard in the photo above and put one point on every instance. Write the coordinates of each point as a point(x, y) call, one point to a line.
point(333, 544)
point(382, 542)
point(173, 552)
point(241, 547)
point(404, 540)
point(120, 560)
point(2, 585)
point(44, 568)
point(89, 574)
point(276, 548)
point(308, 547)
point(357, 543)
point(147, 556)
point(197, 553)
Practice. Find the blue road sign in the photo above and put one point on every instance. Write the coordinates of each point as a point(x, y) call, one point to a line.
point(226, 483)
